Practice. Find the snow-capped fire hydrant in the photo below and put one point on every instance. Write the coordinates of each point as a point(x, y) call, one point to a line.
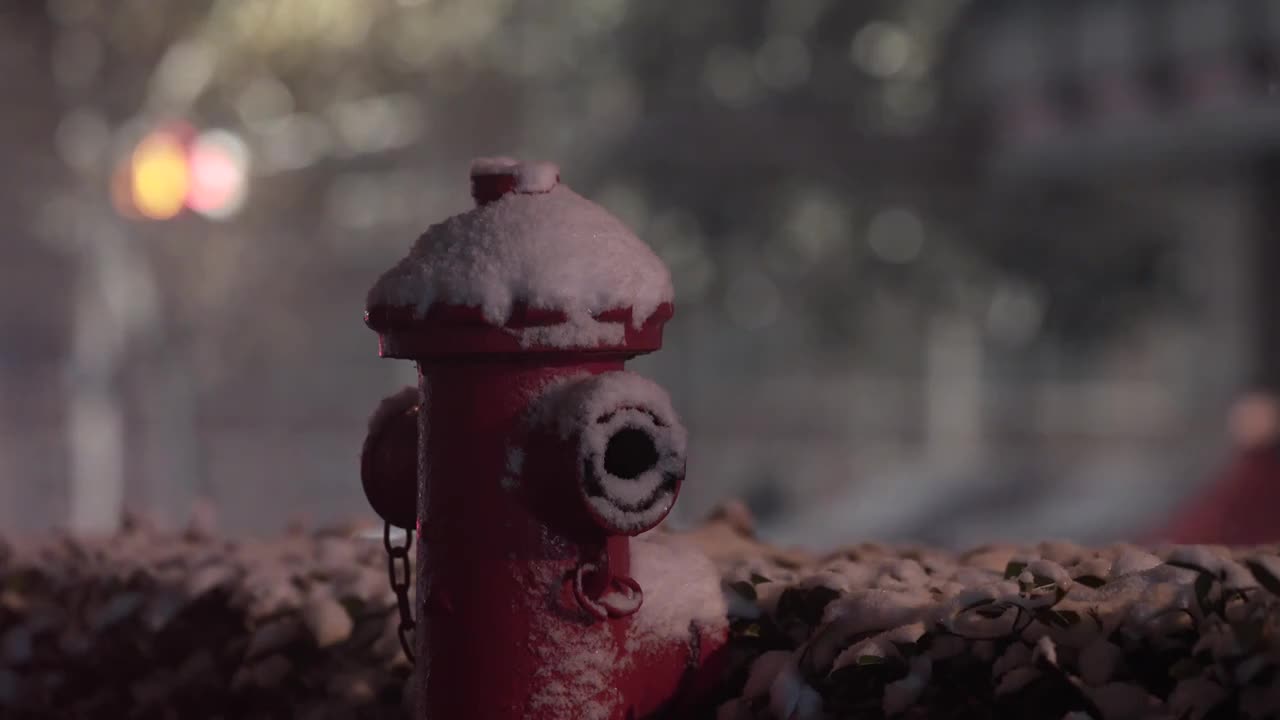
point(528, 458)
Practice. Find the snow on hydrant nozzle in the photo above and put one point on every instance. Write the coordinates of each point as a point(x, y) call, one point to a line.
point(528, 459)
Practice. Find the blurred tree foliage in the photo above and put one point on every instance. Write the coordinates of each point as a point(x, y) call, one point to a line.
point(761, 138)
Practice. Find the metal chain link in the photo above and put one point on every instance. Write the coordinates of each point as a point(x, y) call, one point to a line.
point(401, 586)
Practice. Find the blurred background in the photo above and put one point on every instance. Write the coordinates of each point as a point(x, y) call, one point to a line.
point(946, 270)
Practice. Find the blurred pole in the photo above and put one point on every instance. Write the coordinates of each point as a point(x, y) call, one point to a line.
point(95, 425)
point(953, 397)
point(1266, 273)
point(116, 301)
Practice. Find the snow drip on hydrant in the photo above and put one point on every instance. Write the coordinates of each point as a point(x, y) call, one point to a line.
point(578, 658)
point(540, 245)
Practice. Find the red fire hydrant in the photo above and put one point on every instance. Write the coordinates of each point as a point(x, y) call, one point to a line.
point(528, 458)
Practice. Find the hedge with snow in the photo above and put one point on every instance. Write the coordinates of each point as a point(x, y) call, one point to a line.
point(151, 624)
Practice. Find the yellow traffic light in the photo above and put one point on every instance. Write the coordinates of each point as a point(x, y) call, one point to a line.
point(159, 176)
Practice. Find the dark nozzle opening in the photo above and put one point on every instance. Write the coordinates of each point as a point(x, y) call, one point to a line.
point(630, 453)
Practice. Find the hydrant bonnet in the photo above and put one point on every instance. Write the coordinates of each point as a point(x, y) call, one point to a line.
point(534, 267)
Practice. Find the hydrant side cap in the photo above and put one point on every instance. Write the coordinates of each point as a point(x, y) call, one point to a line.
point(537, 245)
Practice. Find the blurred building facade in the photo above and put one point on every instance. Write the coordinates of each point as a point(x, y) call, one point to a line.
point(926, 286)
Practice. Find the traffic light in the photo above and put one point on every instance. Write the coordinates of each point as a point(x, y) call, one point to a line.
point(170, 171)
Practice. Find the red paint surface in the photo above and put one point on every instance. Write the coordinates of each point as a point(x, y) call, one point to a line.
point(1239, 508)
point(498, 551)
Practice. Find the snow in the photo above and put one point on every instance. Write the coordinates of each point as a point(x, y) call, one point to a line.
point(1051, 570)
point(885, 601)
point(544, 246)
point(1046, 650)
point(576, 659)
point(681, 588)
point(1133, 560)
point(326, 619)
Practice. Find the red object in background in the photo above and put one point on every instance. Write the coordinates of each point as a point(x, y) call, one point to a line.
point(526, 607)
point(1241, 506)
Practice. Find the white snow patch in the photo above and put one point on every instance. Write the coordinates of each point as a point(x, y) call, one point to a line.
point(1051, 570)
point(577, 660)
point(1133, 560)
point(681, 590)
point(871, 647)
point(551, 250)
point(1046, 650)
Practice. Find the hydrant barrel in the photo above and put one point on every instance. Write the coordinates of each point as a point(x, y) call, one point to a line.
point(485, 563)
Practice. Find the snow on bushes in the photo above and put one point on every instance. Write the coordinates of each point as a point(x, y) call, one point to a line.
point(1004, 632)
point(543, 246)
point(150, 624)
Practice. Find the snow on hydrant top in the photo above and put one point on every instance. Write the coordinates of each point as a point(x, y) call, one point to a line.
point(531, 241)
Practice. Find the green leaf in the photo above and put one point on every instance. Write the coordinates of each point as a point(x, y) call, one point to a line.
point(1014, 569)
point(1092, 581)
point(1264, 577)
point(752, 631)
point(870, 660)
point(757, 578)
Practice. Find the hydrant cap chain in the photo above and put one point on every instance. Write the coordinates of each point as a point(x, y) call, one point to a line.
point(531, 248)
